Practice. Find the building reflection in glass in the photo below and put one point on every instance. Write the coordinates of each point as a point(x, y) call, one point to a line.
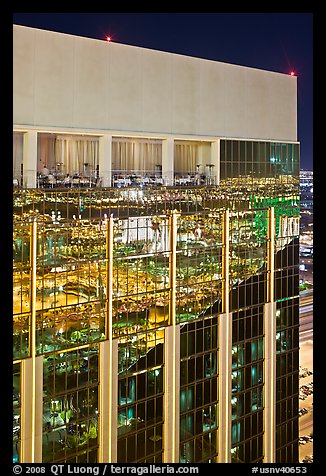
point(71, 305)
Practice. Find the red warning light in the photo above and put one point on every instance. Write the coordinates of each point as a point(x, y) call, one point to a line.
point(108, 39)
point(292, 73)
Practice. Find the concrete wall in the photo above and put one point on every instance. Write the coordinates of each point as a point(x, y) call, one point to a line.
point(73, 83)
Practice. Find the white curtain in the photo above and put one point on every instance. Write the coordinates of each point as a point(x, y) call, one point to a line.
point(46, 152)
point(17, 154)
point(185, 155)
point(76, 155)
point(136, 156)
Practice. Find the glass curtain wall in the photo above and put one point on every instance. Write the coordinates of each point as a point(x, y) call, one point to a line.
point(70, 406)
point(140, 398)
point(199, 264)
point(263, 175)
point(16, 411)
point(248, 283)
point(287, 333)
point(199, 391)
point(287, 383)
point(21, 286)
point(140, 312)
point(71, 306)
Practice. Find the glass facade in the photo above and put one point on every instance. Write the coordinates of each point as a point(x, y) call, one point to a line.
point(287, 381)
point(247, 385)
point(199, 391)
point(70, 406)
point(16, 412)
point(140, 398)
point(76, 290)
point(265, 174)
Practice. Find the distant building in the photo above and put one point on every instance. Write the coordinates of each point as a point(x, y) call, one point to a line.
point(306, 180)
point(155, 293)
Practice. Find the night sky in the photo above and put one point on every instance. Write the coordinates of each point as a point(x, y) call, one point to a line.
point(281, 42)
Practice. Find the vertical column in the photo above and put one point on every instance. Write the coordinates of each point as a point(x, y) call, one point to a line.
point(108, 327)
point(173, 266)
point(32, 294)
point(225, 261)
point(225, 354)
point(31, 410)
point(172, 359)
point(32, 336)
point(168, 161)
point(109, 277)
point(29, 159)
point(108, 367)
point(171, 431)
point(105, 160)
point(32, 377)
point(270, 349)
point(108, 402)
point(270, 254)
point(215, 160)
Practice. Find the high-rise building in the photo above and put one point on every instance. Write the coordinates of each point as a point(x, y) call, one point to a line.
point(156, 223)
